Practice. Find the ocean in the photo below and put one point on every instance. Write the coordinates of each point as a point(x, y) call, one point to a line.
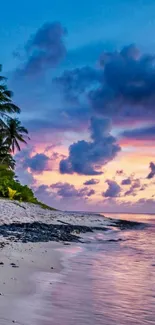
point(109, 280)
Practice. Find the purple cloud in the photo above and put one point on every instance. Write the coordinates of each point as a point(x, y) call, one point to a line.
point(144, 133)
point(66, 190)
point(126, 181)
point(136, 184)
point(38, 163)
point(119, 172)
point(44, 50)
point(129, 79)
point(88, 157)
point(91, 181)
point(74, 83)
point(113, 189)
point(152, 172)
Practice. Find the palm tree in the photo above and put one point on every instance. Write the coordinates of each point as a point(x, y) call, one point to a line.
point(14, 133)
point(11, 130)
point(6, 158)
point(6, 104)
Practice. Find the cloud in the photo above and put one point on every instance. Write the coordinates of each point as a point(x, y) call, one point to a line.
point(74, 83)
point(92, 181)
point(126, 181)
point(119, 172)
point(114, 205)
point(24, 176)
point(152, 172)
point(130, 192)
point(41, 190)
point(44, 50)
point(136, 184)
point(143, 187)
point(144, 133)
point(38, 163)
point(88, 157)
point(66, 190)
point(113, 189)
point(60, 120)
point(122, 88)
point(128, 85)
point(29, 160)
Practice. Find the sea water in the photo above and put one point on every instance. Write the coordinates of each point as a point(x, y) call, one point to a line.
point(109, 280)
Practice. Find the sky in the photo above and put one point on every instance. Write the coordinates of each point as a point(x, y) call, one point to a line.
point(83, 74)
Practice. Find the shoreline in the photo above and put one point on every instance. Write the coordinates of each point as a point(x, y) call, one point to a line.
point(26, 222)
point(35, 246)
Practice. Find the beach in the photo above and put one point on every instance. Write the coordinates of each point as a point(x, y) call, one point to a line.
point(75, 268)
point(27, 270)
point(31, 264)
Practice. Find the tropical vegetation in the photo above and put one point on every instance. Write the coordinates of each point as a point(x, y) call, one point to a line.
point(12, 135)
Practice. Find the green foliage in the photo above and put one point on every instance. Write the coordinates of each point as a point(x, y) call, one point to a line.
point(12, 189)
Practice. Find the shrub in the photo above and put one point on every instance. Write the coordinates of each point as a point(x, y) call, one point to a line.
point(12, 189)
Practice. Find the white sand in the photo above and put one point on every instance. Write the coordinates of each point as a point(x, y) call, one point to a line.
point(14, 211)
point(22, 288)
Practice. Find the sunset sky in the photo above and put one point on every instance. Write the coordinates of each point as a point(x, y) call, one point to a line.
point(83, 73)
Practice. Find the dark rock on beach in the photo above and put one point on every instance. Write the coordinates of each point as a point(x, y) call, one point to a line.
point(42, 232)
point(125, 224)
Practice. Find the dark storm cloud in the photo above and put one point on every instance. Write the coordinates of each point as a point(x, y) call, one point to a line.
point(144, 133)
point(88, 157)
point(113, 189)
point(126, 181)
point(74, 83)
point(66, 190)
point(44, 50)
point(91, 181)
point(123, 87)
point(152, 172)
point(129, 78)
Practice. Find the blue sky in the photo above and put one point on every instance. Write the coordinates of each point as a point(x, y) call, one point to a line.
point(115, 23)
point(78, 119)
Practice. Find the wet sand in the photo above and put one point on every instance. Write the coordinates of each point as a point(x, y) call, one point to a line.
point(35, 269)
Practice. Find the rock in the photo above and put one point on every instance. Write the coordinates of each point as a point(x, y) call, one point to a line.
point(1, 263)
point(15, 266)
